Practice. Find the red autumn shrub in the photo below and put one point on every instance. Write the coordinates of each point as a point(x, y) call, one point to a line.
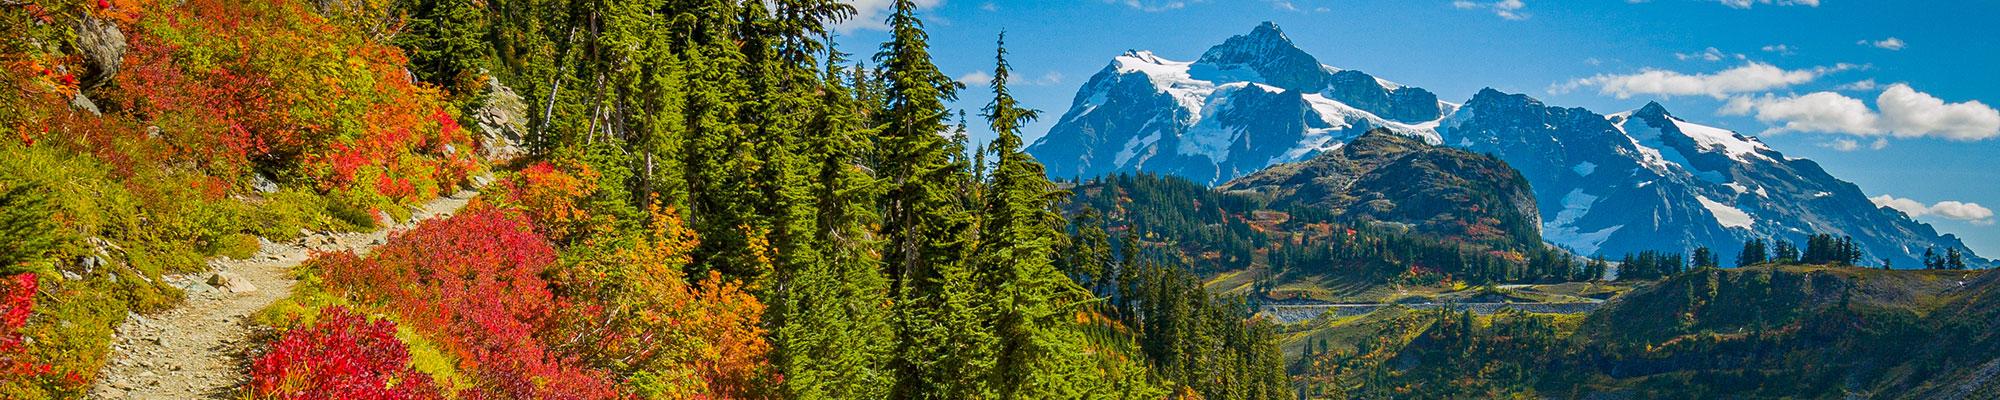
point(342, 357)
point(232, 84)
point(473, 282)
point(17, 302)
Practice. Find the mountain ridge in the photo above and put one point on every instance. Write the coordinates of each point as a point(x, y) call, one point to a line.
point(1257, 100)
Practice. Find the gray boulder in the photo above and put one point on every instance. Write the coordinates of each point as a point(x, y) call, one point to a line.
point(103, 48)
point(502, 122)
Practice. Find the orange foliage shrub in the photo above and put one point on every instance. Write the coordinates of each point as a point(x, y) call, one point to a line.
point(550, 196)
point(231, 85)
point(672, 338)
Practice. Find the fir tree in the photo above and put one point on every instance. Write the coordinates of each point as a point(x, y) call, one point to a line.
point(1753, 253)
point(445, 44)
point(1039, 349)
point(1784, 252)
point(1703, 258)
point(946, 348)
point(835, 340)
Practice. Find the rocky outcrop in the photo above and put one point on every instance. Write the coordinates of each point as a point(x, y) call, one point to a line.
point(102, 46)
point(502, 121)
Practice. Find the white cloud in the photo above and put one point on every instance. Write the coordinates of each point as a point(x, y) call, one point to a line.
point(1750, 77)
point(975, 78)
point(1857, 86)
point(989, 6)
point(1891, 44)
point(982, 78)
point(1051, 78)
point(1709, 54)
point(1506, 9)
point(1813, 112)
point(1778, 48)
point(1285, 5)
point(1908, 113)
point(871, 14)
point(1901, 112)
point(1748, 3)
point(1952, 210)
point(1154, 5)
point(1852, 145)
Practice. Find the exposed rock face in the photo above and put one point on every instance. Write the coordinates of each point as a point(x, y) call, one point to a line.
point(103, 48)
point(1384, 177)
point(502, 123)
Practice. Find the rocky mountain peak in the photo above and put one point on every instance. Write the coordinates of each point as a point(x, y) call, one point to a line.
point(1268, 53)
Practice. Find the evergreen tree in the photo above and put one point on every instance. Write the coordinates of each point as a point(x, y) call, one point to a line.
point(444, 40)
point(946, 348)
point(1931, 259)
point(1040, 353)
point(1953, 260)
point(835, 340)
point(1753, 253)
point(1703, 258)
point(25, 211)
point(1784, 252)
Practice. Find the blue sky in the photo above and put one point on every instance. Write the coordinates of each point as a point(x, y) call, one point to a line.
point(1897, 98)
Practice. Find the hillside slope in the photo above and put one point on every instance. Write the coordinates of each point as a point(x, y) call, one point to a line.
point(1382, 177)
point(1768, 331)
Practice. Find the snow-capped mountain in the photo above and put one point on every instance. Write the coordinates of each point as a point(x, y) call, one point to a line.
point(1253, 101)
point(1645, 179)
point(1605, 184)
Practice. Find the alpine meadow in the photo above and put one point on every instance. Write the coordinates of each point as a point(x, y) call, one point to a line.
point(946, 199)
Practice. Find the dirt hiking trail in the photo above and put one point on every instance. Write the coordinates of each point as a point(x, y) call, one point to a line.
point(195, 350)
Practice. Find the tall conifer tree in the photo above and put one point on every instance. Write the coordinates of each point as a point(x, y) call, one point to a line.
point(945, 347)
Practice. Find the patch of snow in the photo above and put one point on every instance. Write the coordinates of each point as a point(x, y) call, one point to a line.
point(1132, 147)
point(1584, 168)
point(1561, 229)
point(1712, 138)
point(1725, 214)
point(1340, 116)
point(1655, 153)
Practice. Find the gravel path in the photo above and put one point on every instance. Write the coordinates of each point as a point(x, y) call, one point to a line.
point(195, 350)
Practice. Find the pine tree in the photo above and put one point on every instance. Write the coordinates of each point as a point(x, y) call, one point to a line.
point(1703, 258)
point(1785, 252)
point(1041, 354)
point(835, 340)
point(1953, 260)
point(445, 44)
point(1753, 253)
point(1931, 259)
point(946, 348)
